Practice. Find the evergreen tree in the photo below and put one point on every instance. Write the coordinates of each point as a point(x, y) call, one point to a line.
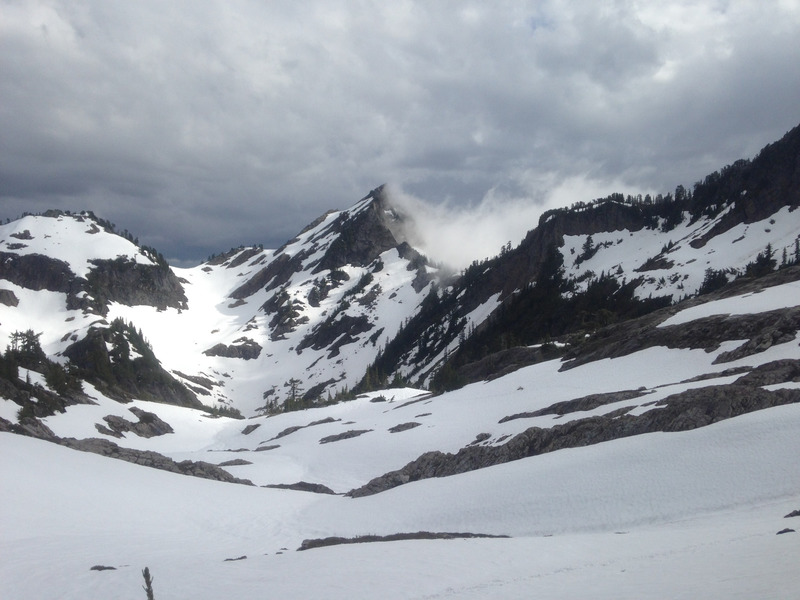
point(588, 247)
point(712, 281)
point(765, 263)
point(294, 396)
point(9, 369)
point(26, 349)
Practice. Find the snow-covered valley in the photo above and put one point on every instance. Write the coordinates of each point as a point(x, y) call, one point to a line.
point(661, 515)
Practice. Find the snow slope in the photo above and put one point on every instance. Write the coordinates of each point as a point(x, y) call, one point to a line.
point(64, 237)
point(649, 517)
point(681, 267)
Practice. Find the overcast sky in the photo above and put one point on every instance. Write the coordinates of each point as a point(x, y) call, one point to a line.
point(199, 125)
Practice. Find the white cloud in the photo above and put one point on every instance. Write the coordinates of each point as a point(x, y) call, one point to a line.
point(456, 234)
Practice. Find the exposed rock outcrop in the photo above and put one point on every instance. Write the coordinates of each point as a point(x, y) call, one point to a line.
point(762, 330)
point(275, 274)
point(504, 362)
point(302, 486)
point(394, 537)
point(236, 462)
point(771, 373)
point(8, 298)
point(151, 459)
point(244, 348)
point(404, 427)
point(346, 435)
point(680, 412)
point(585, 403)
point(38, 272)
point(250, 428)
point(133, 284)
point(293, 428)
point(361, 237)
point(149, 424)
point(122, 377)
point(36, 429)
point(335, 333)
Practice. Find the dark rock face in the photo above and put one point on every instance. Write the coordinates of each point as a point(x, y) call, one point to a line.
point(149, 424)
point(303, 486)
point(24, 235)
point(777, 371)
point(524, 263)
point(38, 401)
point(37, 272)
point(335, 333)
point(346, 435)
point(501, 363)
point(122, 378)
point(30, 427)
point(275, 274)
point(285, 315)
point(293, 428)
point(404, 427)
point(680, 412)
point(236, 462)
point(781, 330)
point(585, 403)
point(124, 281)
point(246, 349)
point(394, 537)
point(250, 428)
point(362, 237)
point(243, 257)
point(266, 448)
point(8, 298)
point(315, 391)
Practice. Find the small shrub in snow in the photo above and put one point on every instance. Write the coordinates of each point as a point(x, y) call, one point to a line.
point(148, 583)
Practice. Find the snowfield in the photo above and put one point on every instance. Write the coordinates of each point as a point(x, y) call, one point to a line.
point(657, 516)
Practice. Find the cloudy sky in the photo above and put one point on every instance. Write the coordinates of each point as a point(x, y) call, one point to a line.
point(199, 125)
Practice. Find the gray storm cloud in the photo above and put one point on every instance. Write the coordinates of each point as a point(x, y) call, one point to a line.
point(204, 125)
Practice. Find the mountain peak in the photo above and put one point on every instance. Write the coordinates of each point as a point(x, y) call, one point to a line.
point(362, 233)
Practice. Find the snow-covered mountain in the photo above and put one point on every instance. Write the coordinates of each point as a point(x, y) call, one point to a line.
point(624, 403)
point(348, 302)
point(235, 330)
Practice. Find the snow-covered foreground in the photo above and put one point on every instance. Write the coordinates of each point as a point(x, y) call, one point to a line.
point(691, 514)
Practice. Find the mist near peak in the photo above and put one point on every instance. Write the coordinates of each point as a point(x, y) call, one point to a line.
point(455, 234)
